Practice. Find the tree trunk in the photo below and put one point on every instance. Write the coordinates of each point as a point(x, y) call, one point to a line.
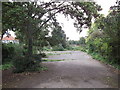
point(29, 40)
point(30, 45)
point(30, 37)
point(30, 49)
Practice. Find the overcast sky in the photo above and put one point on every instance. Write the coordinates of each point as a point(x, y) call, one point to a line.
point(68, 27)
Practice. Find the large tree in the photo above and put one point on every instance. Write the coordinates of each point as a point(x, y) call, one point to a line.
point(29, 18)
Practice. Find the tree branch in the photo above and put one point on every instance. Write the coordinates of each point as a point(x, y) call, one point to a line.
point(48, 20)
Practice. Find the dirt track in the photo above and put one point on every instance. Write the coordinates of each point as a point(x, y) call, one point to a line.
point(78, 70)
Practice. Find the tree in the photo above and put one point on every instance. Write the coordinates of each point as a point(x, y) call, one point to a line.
point(41, 40)
point(58, 35)
point(104, 37)
point(82, 41)
point(28, 18)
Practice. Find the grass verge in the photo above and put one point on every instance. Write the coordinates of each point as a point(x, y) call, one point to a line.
point(48, 60)
point(97, 56)
point(43, 68)
point(104, 60)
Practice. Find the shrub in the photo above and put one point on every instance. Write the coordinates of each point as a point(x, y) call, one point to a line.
point(43, 55)
point(25, 63)
point(46, 48)
point(6, 66)
point(69, 48)
point(58, 48)
point(8, 51)
point(20, 63)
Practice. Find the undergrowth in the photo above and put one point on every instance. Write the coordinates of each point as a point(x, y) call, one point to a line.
point(6, 66)
point(99, 57)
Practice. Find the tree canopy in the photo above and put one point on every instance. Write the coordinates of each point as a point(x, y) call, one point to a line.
point(32, 21)
point(104, 36)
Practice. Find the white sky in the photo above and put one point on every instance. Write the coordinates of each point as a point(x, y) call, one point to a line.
point(68, 26)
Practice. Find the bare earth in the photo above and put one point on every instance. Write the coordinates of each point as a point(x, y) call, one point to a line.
point(78, 70)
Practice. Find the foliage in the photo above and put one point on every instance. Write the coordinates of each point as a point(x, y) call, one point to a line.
point(82, 41)
point(43, 68)
point(29, 24)
point(58, 35)
point(40, 41)
point(97, 56)
point(6, 66)
point(58, 48)
point(104, 39)
point(77, 48)
point(46, 49)
point(15, 55)
point(83, 48)
point(73, 42)
point(32, 26)
point(22, 63)
point(43, 55)
point(8, 52)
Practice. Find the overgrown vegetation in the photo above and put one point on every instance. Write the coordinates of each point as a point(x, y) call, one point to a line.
point(9, 52)
point(6, 66)
point(32, 28)
point(104, 37)
point(103, 41)
point(15, 55)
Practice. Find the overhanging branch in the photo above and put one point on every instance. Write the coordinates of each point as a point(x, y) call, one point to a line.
point(48, 20)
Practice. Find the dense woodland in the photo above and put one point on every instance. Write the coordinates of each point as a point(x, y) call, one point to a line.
point(32, 22)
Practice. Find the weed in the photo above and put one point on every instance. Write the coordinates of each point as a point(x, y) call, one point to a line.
point(43, 68)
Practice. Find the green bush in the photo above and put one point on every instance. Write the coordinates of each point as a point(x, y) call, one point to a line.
point(10, 50)
point(17, 55)
point(25, 63)
point(43, 55)
point(58, 48)
point(84, 48)
point(46, 49)
point(69, 48)
point(6, 66)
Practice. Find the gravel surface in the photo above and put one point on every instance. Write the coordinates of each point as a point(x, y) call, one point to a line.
point(78, 70)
